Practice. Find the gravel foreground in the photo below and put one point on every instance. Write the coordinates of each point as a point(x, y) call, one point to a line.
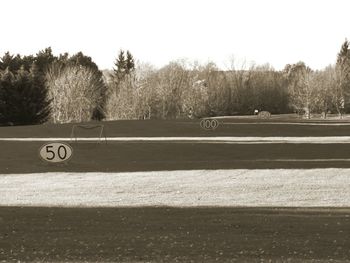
point(238, 187)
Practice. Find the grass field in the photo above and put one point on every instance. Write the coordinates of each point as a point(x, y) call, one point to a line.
point(162, 231)
point(22, 157)
point(228, 127)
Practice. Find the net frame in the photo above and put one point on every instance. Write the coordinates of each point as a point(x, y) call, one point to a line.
point(101, 135)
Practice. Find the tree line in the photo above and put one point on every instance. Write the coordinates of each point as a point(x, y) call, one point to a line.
point(44, 88)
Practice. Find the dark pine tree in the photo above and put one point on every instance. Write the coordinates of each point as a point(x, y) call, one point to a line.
point(7, 61)
point(23, 97)
point(130, 63)
point(120, 69)
point(79, 59)
point(27, 61)
point(41, 107)
point(6, 90)
point(14, 63)
point(343, 54)
point(44, 59)
point(343, 66)
point(10, 61)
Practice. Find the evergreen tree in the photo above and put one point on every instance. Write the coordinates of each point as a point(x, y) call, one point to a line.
point(41, 107)
point(343, 55)
point(13, 63)
point(6, 80)
point(6, 61)
point(120, 64)
point(44, 59)
point(27, 61)
point(23, 97)
point(343, 75)
point(130, 63)
point(79, 59)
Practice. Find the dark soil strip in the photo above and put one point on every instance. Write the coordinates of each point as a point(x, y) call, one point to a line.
point(173, 234)
point(23, 157)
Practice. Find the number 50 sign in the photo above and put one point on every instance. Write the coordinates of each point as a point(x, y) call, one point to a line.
point(56, 152)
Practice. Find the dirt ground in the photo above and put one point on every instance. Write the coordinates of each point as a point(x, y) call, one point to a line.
point(164, 234)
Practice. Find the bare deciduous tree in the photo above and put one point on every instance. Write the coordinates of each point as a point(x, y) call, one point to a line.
point(301, 89)
point(121, 101)
point(75, 92)
point(171, 83)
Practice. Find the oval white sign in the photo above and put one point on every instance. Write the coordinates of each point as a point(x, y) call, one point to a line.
point(56, 152)
point(209, 124)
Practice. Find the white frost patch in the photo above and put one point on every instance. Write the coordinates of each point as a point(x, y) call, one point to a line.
point(280, 187)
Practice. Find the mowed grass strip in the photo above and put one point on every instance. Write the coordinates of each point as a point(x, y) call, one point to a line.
point(163, 234)
point(23, 157)
point(166, 128)
point(286, 187)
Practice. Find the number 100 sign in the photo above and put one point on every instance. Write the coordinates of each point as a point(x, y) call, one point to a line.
point(56, 152)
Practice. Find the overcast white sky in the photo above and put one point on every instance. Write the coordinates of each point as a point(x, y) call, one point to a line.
point(158, 31)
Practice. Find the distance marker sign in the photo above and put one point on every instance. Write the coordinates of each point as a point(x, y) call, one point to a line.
point(209, 124)
point(56, 152)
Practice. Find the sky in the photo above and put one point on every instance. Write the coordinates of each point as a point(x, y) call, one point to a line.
point(277, 32)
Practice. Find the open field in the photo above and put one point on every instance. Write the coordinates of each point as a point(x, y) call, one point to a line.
point(179, 201)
